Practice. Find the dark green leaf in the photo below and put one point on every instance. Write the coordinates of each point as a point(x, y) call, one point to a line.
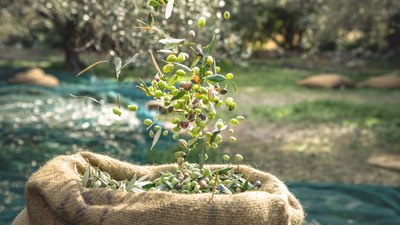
point(246, 185)
point(216, 78)
point(153, 3)
point(225, 170)
point(178, 96)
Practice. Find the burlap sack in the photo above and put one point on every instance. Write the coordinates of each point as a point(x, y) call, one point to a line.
point(54, 196)
point(35, 76)
point(327, 81)
point(386, 81)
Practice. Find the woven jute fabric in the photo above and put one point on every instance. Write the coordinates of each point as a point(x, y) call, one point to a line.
point(54, 195)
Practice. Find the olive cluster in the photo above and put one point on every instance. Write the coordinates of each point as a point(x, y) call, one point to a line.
point(189, 178)
point(186, 179)
point(193, 94)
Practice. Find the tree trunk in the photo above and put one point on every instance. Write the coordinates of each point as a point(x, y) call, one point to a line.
point(72, 59)
point(69, 35)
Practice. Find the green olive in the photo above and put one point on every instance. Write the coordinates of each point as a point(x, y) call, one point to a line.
point(201, 22)
point(133, 108)
point(117, 111)
point(209, 60)
point(147, 122)
point(168, 68)
point(172, 58)
point(229, 76)
point(227, 15)
point(238, 157)
point(180, 72)
point(226, 157)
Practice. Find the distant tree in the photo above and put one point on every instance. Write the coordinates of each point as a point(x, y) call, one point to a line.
point(82, 25)
point(284, 21)
point(360, 24)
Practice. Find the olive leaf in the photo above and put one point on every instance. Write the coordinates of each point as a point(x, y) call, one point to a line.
point(156, 138)
point(118, 66)
point(90, 67)
point(90, 98)
point(216, 78)
point(178, 96)
point(169, 8)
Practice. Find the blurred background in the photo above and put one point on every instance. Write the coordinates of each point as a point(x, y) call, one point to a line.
point(318, 80)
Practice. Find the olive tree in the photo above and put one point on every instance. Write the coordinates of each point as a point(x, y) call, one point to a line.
point(112, 26)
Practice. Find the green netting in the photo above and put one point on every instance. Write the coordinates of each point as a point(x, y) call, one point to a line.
point(37, 123)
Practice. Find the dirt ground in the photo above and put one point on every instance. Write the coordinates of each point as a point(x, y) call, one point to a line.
point(313, 152)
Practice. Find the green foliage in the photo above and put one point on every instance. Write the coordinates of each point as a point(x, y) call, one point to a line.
point(335, 111)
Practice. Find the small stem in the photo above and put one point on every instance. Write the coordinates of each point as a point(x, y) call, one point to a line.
point(215, 184)
point(202, 154)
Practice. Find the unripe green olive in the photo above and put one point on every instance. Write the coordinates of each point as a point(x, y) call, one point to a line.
point(175, 136)
point(195, 87)
point(228, 101)
point(175, 92)
point(226, 157)
point(175, 120)
point(232, 106)
point(219, 125)
point(158, 94)
point(202, 124)
point(176, 129)
point(227, 15)
point(232, 139)
point(201, 22)
point(209, 73)
point(117, 111)
point(133, 108)
point(151, 89)
point(219, 103)
point(147, 122)
point(217, 69)
point(196, 70)
point(157, 127)
point(234, 122)
point(238, 157)
point(240, 118)
point(181, 57)
point(162, 84)
point(209, 60)
point(229, 76)
point(165, 133)
point(172, 58)
point(168, 68)
point(180, 72)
